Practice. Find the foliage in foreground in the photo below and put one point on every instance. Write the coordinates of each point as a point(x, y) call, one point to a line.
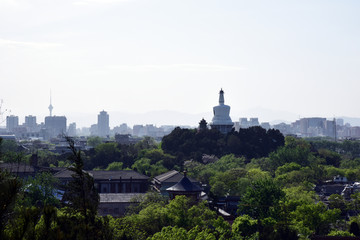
point(277, 198)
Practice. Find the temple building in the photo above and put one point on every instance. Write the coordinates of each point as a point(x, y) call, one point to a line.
point(221, 119)
point(163, 181)
point(185, 187)
point(202, 125)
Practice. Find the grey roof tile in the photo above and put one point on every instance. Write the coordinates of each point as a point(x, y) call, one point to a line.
point(185, 185)
point(119, 197)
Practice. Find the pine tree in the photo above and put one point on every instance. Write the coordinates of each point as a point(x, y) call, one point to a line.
point(80, 195)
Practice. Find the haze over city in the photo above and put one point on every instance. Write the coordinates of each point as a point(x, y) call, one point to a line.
point(274, 59)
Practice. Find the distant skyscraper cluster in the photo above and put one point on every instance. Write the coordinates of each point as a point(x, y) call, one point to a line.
point(56, 126)
point(308, 127)
point(53, 126)
point(313, 127)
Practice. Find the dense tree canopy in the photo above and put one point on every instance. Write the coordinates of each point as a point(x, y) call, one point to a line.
point(274, 178)
point(262, 199)
point(250, 142)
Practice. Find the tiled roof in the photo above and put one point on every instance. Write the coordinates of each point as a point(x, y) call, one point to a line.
point(106, 175)
point(17, 167)
point(184, 186)
point(65, 173)
point(165, 176)
point(171, 176)
point(124, 174)
point(119, 197)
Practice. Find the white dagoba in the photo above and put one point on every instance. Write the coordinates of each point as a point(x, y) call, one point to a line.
point(221, 119)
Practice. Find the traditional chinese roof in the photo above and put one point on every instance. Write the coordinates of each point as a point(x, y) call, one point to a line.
point(185, 185)
point(123, 174)
point(25, 169)
point(64, 174)
point(106, 175)
point(17, 167)
point(172, 176)
point(119, 197)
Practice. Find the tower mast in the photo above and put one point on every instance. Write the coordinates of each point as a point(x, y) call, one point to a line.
point(50, 106)
point(335, 130)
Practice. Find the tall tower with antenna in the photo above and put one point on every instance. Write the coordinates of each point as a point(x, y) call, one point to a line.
point(335, 133)
point(50, 106)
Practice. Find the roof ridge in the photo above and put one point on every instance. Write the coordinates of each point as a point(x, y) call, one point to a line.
point(167, 175)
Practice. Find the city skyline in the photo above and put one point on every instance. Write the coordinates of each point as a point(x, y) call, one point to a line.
point(56, 125)
point(168, 118)
point(132, 57)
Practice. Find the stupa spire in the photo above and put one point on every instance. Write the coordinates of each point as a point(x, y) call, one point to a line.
point(221, 97)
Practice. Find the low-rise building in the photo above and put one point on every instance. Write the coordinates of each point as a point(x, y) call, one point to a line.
point(162, 182)
point(123, 181)
point(116, 204)
point(117, 189)
point(186, 188)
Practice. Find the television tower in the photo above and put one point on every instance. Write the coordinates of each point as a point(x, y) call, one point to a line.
point(50, 106)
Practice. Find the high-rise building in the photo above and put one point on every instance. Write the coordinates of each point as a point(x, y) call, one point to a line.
point(243, 122)
point(30, 122)
point(330, 128)
point(72, 130)
point(355, 132)
point(122, 129)
point(55, 126)
point(12, 122)
point(221, 119)
point(340, 121)
point(103, 124)
point(94, 130)
point(138, 130)
point(265, 125)
point(310, 127)
point(254, 122)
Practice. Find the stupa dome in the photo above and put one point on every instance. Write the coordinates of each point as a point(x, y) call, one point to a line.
point(221, 119)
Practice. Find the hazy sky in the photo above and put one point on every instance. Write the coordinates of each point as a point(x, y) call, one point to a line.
point(136, 56)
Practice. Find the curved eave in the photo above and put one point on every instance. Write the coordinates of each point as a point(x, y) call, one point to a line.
point(185, 185)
